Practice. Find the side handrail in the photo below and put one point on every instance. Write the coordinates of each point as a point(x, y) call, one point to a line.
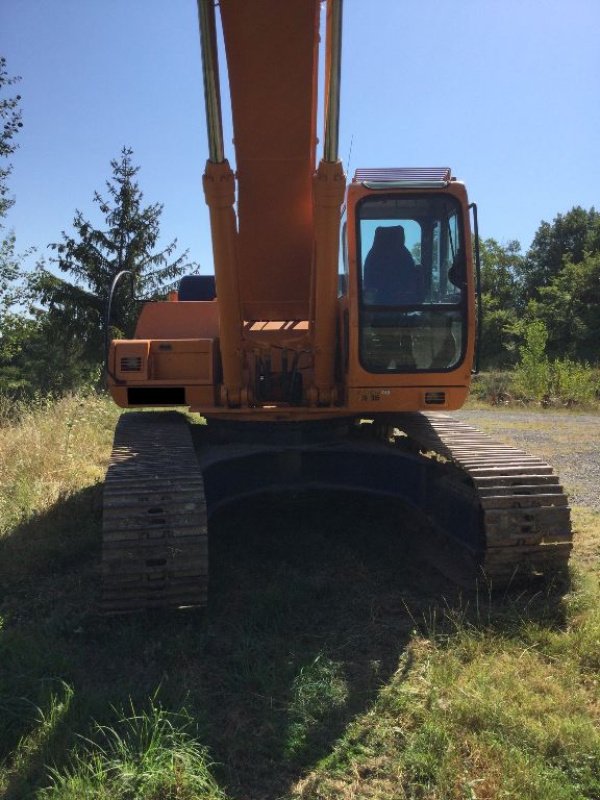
point(475, 369)
point(113, 286)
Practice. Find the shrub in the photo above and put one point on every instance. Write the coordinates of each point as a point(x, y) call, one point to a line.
point(532, 378)
point(493, 387)
point(573, 383)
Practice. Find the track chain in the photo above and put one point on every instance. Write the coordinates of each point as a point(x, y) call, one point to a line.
point(524, 510)
point(154, 546)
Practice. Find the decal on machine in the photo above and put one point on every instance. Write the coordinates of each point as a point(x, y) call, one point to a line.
point(374, 395)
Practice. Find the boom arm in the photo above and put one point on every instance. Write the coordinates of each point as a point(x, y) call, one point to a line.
point(286, 244)
point(272, 63)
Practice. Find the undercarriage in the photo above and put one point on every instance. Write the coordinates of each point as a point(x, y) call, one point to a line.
point(490, 512)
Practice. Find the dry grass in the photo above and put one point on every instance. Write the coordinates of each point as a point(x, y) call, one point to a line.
point(586, 527)
point(50, 452)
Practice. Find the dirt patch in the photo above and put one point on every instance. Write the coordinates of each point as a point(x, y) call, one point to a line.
point(569, 442)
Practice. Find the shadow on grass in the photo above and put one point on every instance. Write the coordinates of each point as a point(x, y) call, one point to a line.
point(48, 585)
point(313, 600)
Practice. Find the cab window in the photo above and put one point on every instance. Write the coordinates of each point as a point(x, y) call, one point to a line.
point(412, 277)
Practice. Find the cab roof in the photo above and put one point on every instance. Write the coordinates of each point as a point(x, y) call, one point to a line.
point(403, 176)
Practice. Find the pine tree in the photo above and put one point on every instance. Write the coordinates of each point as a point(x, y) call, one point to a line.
point(93, 256)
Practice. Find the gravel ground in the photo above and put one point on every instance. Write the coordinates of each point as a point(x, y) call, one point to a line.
point(569, 442)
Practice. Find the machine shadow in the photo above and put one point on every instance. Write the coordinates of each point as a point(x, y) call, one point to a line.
point(313, 601)
point(48, 587)
point(310, 594)
point(52, 556)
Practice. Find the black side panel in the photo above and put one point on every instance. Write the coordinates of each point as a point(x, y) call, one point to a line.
point(156, 396)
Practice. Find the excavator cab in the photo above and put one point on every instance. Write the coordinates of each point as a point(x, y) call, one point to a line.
point(411, 296)
point(410, 283)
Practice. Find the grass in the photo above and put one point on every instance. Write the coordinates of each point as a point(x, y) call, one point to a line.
point(505, 706)
point(331, 662)
point(150, 755)
point(49, 452)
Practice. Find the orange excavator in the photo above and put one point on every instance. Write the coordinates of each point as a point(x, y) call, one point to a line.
point(341, 320)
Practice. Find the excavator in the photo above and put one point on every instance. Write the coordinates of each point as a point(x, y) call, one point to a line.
point(338, 330)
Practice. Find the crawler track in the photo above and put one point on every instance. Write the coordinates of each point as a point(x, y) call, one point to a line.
point(154, 551)
point(495, 511)
point(524, 512)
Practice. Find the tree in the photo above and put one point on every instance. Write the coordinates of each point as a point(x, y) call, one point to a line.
point(10, 122)
point(561, 280)
point(10, 262)
point(500, 267)
point(570, 308)
point(501, 300)
point(9, 272)
point(32, 357)
point(569, 237)
point(94, 255)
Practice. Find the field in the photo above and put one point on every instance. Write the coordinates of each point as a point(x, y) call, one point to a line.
point(332, 662)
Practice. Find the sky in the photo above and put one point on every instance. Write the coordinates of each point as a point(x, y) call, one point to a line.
point(505, 92)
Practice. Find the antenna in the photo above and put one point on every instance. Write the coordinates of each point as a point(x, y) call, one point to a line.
point(349, 155)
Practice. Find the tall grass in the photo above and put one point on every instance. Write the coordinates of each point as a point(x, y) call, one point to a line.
point(148, 754)
point(49, 450)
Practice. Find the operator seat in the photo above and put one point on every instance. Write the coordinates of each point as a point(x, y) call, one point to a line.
point(390, 274)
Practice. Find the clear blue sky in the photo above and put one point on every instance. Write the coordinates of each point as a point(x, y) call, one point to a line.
point(506, 93)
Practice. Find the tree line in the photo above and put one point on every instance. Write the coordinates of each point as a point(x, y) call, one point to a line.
point(52, 316)
point(555, 284)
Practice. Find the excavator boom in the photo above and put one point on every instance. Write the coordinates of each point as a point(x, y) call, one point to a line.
point(272, 67)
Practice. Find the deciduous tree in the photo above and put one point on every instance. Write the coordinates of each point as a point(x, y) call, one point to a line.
point(11, 324)
point(569, 237)
point(570, 308)
point(10, 122)
point(501, 299)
